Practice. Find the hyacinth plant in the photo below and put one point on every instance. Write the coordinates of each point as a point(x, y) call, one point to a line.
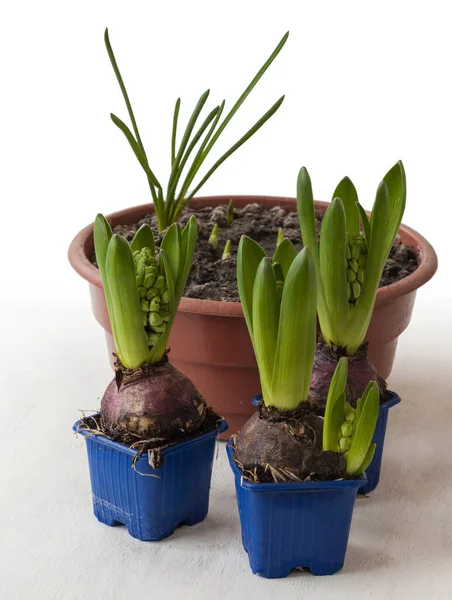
point(285, 440)
point(148, 398)
point(349, 258)
point(195, 145)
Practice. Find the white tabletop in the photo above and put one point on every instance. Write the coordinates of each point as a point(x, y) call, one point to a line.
point(52, 547)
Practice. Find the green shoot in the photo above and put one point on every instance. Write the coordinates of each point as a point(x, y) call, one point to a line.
point(349, 264)
point(185, 161)
point(280, 236)
point(227, 251)
point(279, 304)
point(213, 238)
point(143, 290)
point(348, 430)
point(230, 211)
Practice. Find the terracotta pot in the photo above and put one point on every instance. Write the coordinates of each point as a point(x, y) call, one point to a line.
point(209, 341)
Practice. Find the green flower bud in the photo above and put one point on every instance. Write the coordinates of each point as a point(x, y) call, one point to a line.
point(351, 275)
point(141, 292)
point(348, 254)
point(144, 305)
point(164, 297)
point(153, 338)
point(151, 293)
point(360, 275)
point(353, 265)
point(355, 251)
point(350, 413)
point(155, 320)
point(346, 429)
point(362, 260)
point(160, 282)
point(344, 444)
point(356, 289)
point(166, 315)
point(154, 305)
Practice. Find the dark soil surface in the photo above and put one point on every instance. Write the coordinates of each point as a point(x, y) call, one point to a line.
point(212, 278)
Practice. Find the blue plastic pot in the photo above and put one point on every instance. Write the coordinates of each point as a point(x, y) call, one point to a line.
point(373, 470)
point(151, 503)
point(294, 525)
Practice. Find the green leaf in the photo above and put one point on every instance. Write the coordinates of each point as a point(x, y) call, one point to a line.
point(102, 235)
point(185, 139)
point(174, 131)
point(188, 243)
point(143, 238)
point(365, 221)
point(128, 331)
point(335, 407)
point(136, 148)
point(171, 244)
point(247, 91)
point(249, 257)
point(364, 429)
point(285, 254)
point(376, 258)
point(175, 205)
point(346, 191)
point(237, 145)
point(279, 273)
point(159, 348)
point(265, 324)
point(366, 462)
point(333, 269)
point(395, 179)
point(296, 335)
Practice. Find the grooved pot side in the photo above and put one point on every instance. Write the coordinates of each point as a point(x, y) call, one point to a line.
point(209, 340)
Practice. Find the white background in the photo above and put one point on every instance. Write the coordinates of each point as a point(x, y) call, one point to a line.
point(366, 83)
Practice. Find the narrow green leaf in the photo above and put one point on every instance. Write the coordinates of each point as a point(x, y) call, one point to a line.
point(136, 149)
point(333, 268)
point(366, 462)
point(285, 254)
point(363, 431)
point(184, 142)
point(174, 131)
point(143, 238)
point(296, 334)
point(128, 331)
point(395, 179)
point(365, 221)
point(247, 91)
point(180, 167)
point(265, 324)
point(249, 257)
point(360, 403)
point(335, 407)
point(125, 95)
point(199, 158)
point(237, 145)
point(346, 191)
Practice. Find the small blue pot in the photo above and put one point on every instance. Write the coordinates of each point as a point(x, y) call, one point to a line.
point(294, 525)
point(373, 470)
point(151, 503)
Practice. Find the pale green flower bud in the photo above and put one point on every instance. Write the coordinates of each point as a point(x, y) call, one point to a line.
point(154, 305)
point(344, 444)
point(346, 429)
point(160, 282)
point(155, 320)
point(145, 306)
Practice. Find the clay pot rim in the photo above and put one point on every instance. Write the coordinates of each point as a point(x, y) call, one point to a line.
point(82, 245)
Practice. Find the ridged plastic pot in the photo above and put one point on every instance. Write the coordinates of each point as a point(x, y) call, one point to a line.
point(374, 469)
point(294, 525)
point(209, 339)
point(151, 503)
